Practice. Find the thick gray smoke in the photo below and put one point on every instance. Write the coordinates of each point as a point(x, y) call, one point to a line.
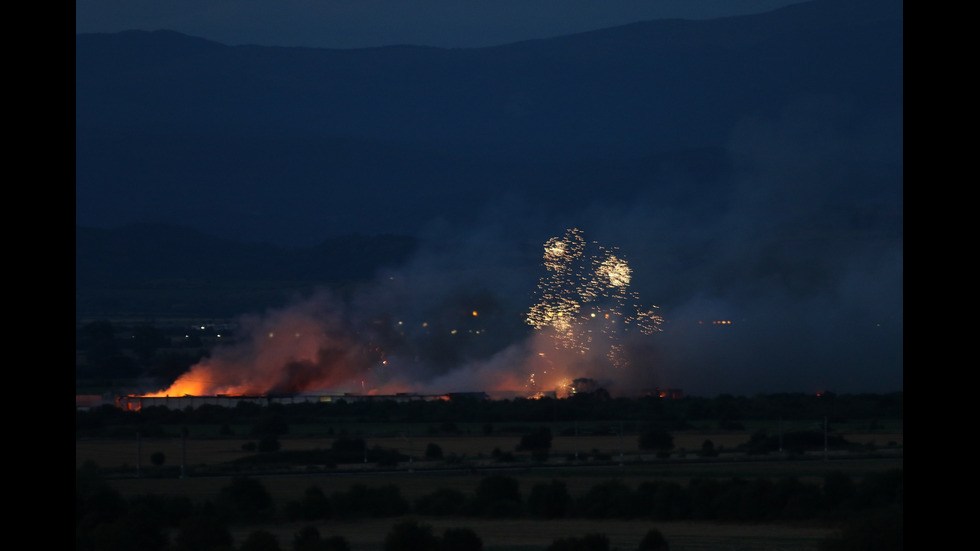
point(788, 277)
point(805, 259)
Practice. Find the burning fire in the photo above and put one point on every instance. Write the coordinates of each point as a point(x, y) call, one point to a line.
point(293, 350)
point(584, 306)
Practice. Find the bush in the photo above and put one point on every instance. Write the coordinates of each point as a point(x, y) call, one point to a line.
point(346, 444)
point(260, 540)
point(363, 501)
point(880, 490)
point(386, 458)
point(610, 499)
point(502, 456)
point(549, 500)
point(202, 532)
point(272, 424)
point(655, 439)
point(433, 451)
point(498, 496)
point(410, 535)
point(314, 505)
point(536, 441)
point(654, 540)
point(245, 500)
point(268, 444)
point(662, 500)
point(335, 543)
point(588, 542)
point(708, 449)
point(134, 530)
point(839, 489)
point(877, 531)
point(308, 539)
point(461, 539)
point(441, 502)
point(167, 510)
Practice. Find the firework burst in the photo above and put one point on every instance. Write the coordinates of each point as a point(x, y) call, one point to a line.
point(584, 302)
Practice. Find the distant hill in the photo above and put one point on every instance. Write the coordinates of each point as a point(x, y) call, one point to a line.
point(291, 145)
point(158, 270)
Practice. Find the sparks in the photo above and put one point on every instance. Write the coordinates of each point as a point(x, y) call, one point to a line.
point(584, 300)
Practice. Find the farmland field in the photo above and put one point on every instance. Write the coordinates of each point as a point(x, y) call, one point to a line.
point(531, 535)
point(624, 462)
point(368, 465)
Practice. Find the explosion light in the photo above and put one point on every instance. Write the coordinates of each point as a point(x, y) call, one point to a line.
point(584, 301)
point(583, 308)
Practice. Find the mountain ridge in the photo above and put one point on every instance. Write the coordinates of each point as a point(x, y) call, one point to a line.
point(292, 145)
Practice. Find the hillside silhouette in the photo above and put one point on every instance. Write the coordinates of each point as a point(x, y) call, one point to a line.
point(291, 145)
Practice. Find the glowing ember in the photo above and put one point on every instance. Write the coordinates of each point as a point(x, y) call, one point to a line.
point(293, 350)
point(578, 290)
point(583, 308)
point(584, 300)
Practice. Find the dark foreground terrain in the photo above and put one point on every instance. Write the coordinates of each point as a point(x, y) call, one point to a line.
point(363, 476)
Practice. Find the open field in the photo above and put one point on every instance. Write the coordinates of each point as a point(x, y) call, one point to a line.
point(600, 458)
point(502, 534)
point(285, 488)
point(531, 535)
point(526, 534)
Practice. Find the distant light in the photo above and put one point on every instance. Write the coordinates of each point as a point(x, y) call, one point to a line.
point(474, 313)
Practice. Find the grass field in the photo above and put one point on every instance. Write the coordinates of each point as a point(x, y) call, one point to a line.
point(529, 535)
point(415, 479)
point(626, 463)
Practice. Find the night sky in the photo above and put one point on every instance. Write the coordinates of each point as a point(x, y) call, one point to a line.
point(798, 242)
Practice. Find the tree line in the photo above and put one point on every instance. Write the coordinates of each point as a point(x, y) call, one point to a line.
point(106, 520)
point(598, 411)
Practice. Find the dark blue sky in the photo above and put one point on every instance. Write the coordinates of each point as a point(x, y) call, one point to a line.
point(368, 23)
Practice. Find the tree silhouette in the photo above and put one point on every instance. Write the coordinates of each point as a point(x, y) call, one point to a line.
point(410, 535)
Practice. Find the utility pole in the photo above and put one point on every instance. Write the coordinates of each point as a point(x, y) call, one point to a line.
point(780, 436)
point(620, 443)
point(411, 453)
point(183, 452)
point(139, 453)
point(825, 450)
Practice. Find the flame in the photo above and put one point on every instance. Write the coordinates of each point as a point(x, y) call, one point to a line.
point(297, 349)
point(584, 305)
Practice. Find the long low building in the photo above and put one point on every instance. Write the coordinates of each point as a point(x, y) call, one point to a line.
point(136, 403)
